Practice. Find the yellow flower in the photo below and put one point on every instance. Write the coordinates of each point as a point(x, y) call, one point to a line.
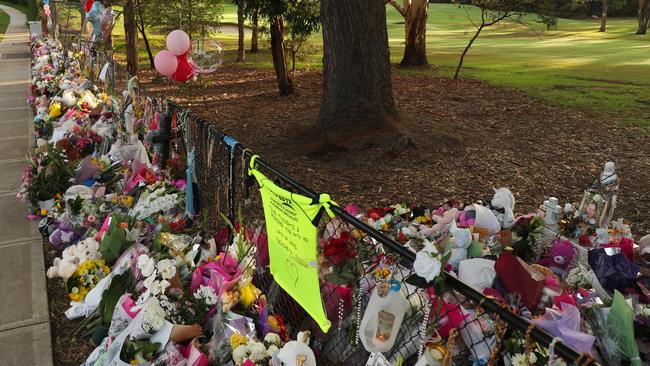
point(134, 362)
point(248, 294)
point(237, 340)
point(58, 195)
point(43, 212)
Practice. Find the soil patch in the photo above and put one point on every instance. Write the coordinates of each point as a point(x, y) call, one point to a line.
point(469, 137)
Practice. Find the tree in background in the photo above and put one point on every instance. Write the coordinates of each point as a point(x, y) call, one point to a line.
point(130, 31)
point(253, 9)
point(241, 30)
point(358, 95)
point(415, 13)
point(550, 10)
point(302, 20)
point(298, 19)
point(607, 6)
point(143, 32)
point(643, 16)
point(493, 12)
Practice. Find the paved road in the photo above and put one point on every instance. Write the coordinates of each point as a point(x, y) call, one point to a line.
point(24, 321)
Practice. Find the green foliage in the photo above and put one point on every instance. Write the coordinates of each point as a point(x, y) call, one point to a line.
point(120, 284)
point(52, 178)
point(196, 17)
point(115, 241)
point(142, 351)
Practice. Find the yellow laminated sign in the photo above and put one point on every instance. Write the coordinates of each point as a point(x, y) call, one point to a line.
point(291, 225)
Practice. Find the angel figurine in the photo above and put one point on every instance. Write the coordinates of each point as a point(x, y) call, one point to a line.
point(607, 185)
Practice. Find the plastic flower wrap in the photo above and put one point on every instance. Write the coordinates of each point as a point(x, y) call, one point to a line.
point(85, 277)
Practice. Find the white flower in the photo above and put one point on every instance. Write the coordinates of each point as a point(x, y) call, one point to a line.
point(167, 268)
point(148, 283)
point(240, 354)
point(154, 316)
point(258, 352)
point(207, 293)
point(273, 350)
point(427, 262)
point(159, 287)
point(519, 359)
point(146, 265)
point(273, 339)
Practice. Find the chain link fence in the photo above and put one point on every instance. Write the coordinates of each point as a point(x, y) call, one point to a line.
point(487, 330)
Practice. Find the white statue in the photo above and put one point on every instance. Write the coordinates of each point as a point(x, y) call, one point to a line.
point(503, 206)
point(607, 185)
point(552, 212)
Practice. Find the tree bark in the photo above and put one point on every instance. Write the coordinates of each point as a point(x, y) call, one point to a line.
point(255, 48)
point(643, 16)
point(241, 51)
point(130, 30)
point(415, 23)
point(285, 84)
point(603, 17)
point(143, 33)
point(358, 92)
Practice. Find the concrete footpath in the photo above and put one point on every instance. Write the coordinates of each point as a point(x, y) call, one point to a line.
point(24, 320)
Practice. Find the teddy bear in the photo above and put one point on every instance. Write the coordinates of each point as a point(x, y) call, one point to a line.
point(559, 257)
point(462, 239)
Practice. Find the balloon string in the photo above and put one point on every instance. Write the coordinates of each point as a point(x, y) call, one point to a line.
point(180, 20)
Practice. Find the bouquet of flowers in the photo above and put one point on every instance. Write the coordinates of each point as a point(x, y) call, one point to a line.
point(50, 175)
point(85, 277)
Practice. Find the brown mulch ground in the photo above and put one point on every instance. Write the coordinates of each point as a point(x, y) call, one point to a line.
point(469, 135)
point(68, 349)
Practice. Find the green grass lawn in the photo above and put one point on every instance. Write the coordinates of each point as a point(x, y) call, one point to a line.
point(574, 66)
point(4, 23)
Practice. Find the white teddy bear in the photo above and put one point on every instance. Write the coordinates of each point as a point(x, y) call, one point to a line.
point(72, 257)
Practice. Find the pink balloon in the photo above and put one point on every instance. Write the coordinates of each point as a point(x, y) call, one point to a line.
point(166, 63)
point(178, 42)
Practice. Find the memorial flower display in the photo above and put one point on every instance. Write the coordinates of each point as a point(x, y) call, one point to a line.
point(160, 284)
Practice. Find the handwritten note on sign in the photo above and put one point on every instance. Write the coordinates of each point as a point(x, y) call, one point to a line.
point(291, 221)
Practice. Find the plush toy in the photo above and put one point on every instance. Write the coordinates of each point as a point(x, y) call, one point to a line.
point(296, 353)
point(559, 257)
point(503, 205)
point(443, 223)
point(462, 239)
point(481, 217)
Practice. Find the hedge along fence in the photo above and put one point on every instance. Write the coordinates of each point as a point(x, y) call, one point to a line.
point(221, 165)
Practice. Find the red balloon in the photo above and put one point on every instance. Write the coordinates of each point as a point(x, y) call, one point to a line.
point(89, 5)
point(185, 70)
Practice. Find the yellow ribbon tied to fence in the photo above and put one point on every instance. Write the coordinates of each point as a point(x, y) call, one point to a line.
point(291, 225)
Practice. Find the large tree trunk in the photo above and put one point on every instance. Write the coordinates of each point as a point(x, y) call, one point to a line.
point(643, 16)
point(415, 20)
point(603, 17)
point(255, 48)
point(285, 84)
point(358, 94)
point(130, 30)
point(241, 51)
